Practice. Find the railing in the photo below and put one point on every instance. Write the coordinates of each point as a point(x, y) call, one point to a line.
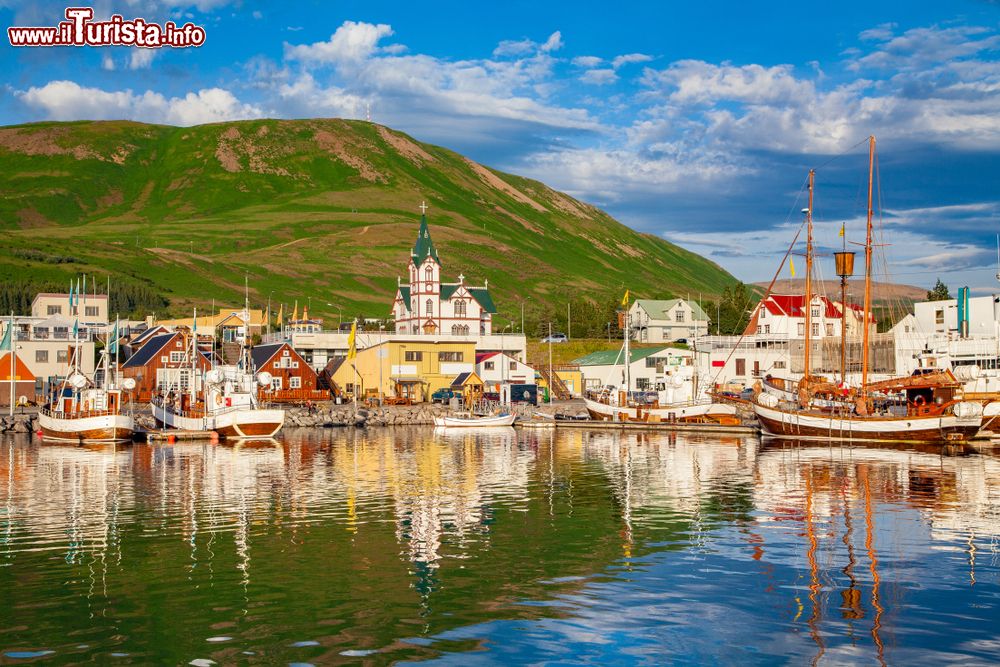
point(293, 395)
point(79, 414)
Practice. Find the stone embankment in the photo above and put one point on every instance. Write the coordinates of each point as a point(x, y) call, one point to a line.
point(26, 423)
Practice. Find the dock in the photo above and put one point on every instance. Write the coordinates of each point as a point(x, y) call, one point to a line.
point(585, 424)
point(170, 435)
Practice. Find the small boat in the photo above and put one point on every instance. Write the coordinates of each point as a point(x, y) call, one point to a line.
point(85, 411)
point(469, 420)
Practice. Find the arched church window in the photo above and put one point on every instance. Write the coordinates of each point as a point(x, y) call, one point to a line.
point(429, 307)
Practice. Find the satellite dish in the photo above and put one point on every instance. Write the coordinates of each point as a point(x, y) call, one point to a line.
point(128, 384)
point(78, 381)
point(214, 376)
point(264, 379)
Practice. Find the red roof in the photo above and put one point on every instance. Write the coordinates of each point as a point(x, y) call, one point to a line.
point(792, 306)
point(483, 356)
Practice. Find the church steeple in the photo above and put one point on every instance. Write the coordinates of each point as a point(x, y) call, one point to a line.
point(424, 247)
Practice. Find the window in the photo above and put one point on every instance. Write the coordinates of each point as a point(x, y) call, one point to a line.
point(815, 312)
point(62, 356)
point(53, 310)
point(815, 328)
point(450, 356)
point(41, 332)
point(741, 366)
point(512, 366)
point(760, 329)
point(763, 313)
point(829, 329)
point(276, 383)
point(295, 364)
point(62, 333)
point(429, 274)
point(939, 316)
point(679, 315)
point(650, 362)
point(460, 309)
point(489, 365)
point(277, 364)
point(779, 364)
point(456, 330)
point(429, 307)
point(767, 328)
point(41, 356)
point(414, 356)
point(802, 329)
point(295, 382)
point(176, 357)
point(91, 311)
point(642, 384)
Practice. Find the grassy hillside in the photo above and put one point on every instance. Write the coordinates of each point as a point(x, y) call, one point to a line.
point(320, 209)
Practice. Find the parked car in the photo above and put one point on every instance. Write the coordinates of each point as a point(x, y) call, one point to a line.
point(681, 341)
point(444, 395)
point(555, 338)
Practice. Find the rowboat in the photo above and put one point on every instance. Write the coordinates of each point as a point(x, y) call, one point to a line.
point(469, 420)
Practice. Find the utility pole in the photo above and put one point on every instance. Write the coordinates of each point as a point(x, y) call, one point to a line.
point(550, 362)
point(569, 322)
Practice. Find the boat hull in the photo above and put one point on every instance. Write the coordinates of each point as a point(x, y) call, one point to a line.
point(249, 423)
point(166, 418)
point(814, 426)
point(480, 422)
point(94, 429)
point(708, 410)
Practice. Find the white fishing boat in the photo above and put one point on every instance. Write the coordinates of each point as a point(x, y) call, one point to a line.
point(227, 403)
point(693, 411)
point(469, 420)
point(86, 411)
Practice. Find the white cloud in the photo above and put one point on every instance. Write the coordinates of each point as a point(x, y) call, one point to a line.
point(141, 58)
point(352, 43)
point(630, 58)
point(107, 62)
point(67, 100)
point(514, 48)
point(599, 77)
point(587, 61)
point(553, 43)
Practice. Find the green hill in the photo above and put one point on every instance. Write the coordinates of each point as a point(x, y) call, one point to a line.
point(321, 209)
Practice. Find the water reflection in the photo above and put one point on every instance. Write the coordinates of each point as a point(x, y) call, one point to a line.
point(564, 545)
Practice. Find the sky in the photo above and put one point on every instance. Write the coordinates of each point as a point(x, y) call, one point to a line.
point(696, 122)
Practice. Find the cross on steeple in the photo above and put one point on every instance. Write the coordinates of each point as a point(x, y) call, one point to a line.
point(423, 208)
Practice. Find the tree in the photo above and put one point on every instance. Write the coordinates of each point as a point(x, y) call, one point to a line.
point(734, 309)
point(939, 293)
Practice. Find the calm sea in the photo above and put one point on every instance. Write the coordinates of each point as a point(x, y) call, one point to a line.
point(499, 547)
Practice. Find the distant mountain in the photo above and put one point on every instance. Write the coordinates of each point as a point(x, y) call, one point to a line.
point(321, 209)
point(881, 292)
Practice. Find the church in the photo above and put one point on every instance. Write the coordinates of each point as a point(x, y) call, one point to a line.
point(428, 306)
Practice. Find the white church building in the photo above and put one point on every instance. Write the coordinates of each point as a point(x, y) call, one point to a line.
point(428, 306)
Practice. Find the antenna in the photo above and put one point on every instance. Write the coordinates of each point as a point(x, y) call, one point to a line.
point(998, 257)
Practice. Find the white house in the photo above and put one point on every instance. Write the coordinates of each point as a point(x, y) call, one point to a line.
point(656, 321)
point(651, 369)
point(497, 368)
point(785, 315)
point(425, 305)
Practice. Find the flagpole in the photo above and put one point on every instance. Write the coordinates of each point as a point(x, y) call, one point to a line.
point(10, 336)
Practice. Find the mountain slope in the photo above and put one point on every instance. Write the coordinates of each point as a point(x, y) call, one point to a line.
point(310, 209)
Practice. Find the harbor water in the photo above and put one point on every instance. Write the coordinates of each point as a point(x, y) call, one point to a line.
point(498, 546)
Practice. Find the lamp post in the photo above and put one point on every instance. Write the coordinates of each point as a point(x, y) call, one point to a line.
point(845, 269)
point(340, 314)
point(382, 354)
point(269, 312)
point(503, 370)
point(522, 312)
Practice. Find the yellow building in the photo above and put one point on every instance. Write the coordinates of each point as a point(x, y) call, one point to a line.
point(411, 368)
point(229, 322)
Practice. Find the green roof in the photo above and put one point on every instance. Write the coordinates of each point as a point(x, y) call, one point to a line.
point(482, 295)
point(424, 247)
point(447, 290)
point(612, 357)
point(658, 308)
point(404, 294)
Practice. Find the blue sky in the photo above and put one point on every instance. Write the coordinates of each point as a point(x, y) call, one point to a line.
point(693, 121)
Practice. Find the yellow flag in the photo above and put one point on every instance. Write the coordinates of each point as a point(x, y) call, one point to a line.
point(295, 313)
point(842, 228)
point(281, 314)
point(791, 265)
point(625, 299)
point(352, 350)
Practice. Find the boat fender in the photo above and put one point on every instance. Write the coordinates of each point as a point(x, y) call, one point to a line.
point(919, 401)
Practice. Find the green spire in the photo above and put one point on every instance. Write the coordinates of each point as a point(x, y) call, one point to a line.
point(424, 247)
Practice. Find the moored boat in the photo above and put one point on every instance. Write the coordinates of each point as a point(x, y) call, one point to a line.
point(475, 421)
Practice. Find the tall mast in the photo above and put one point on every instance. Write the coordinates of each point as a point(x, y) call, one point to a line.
point(807, 299)
point(194, 358)
point(868, 268)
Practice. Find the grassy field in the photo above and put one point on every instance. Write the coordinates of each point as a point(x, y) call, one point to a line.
point(320, 211)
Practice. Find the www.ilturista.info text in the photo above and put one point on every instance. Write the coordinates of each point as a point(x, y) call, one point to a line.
point(80, 30)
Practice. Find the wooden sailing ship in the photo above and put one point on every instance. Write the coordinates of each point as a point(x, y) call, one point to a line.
point(926, 408)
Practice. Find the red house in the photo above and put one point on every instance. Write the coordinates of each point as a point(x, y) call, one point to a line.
point(292, 378)
point(162, 364)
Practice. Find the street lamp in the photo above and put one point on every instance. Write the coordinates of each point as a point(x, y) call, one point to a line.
point(340, 314)
point(522, 312)
point(503, 370)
